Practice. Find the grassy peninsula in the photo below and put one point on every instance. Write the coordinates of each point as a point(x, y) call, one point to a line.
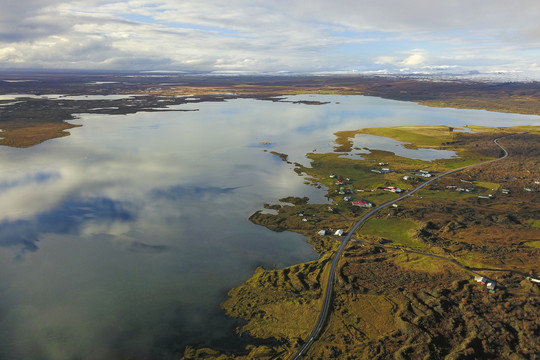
point(27, 121)
point(405, 286)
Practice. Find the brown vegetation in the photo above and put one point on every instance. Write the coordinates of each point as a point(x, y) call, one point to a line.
point(388, 303)
point(393, 304)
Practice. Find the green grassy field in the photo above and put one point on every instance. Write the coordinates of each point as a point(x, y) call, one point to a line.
point(444, 194)
point(534, 223)
point(488, 185)
point(534, 244)
point(423, 263)
point(418, 136)
point(399, 231)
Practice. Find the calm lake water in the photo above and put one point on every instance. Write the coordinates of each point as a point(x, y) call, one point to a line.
point(121, 240)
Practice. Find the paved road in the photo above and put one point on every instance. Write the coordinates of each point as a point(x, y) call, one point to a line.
point(330, 282)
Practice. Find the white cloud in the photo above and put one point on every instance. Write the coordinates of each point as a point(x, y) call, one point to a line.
point(414, 60)
point(386, 60)
point(295, 35)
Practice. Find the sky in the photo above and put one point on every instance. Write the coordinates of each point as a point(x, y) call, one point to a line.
point(278, 36)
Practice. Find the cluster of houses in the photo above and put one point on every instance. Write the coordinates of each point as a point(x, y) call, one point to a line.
point(526, 188)
point(460, 189)
point(305, 217)
point(489, 284)
point(363, 190)
point(423, 173)
point(489, 197)
point(472, 190)
point(343, 191)
point(362, 203)
point(507, 191)
point(382, 171)
point(393, 189)
point(492, 285)
point(386, 170)
point(338, 232)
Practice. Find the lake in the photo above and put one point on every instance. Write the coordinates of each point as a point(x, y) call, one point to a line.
point(122, 239)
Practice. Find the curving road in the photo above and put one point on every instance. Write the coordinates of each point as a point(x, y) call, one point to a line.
point(330, 283)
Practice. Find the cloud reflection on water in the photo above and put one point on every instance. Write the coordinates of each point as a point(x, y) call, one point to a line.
point(132, 229)
point(72, 217)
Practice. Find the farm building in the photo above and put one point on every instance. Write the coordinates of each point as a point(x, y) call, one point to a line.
point(490, 284)
point(362, 203)
point(393, 189)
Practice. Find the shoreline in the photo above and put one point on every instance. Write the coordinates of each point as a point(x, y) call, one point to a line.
point(19, 118)
point(279, 281)
point(295, 289)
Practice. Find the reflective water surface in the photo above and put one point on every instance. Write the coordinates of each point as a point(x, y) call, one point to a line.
point(121, 240)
